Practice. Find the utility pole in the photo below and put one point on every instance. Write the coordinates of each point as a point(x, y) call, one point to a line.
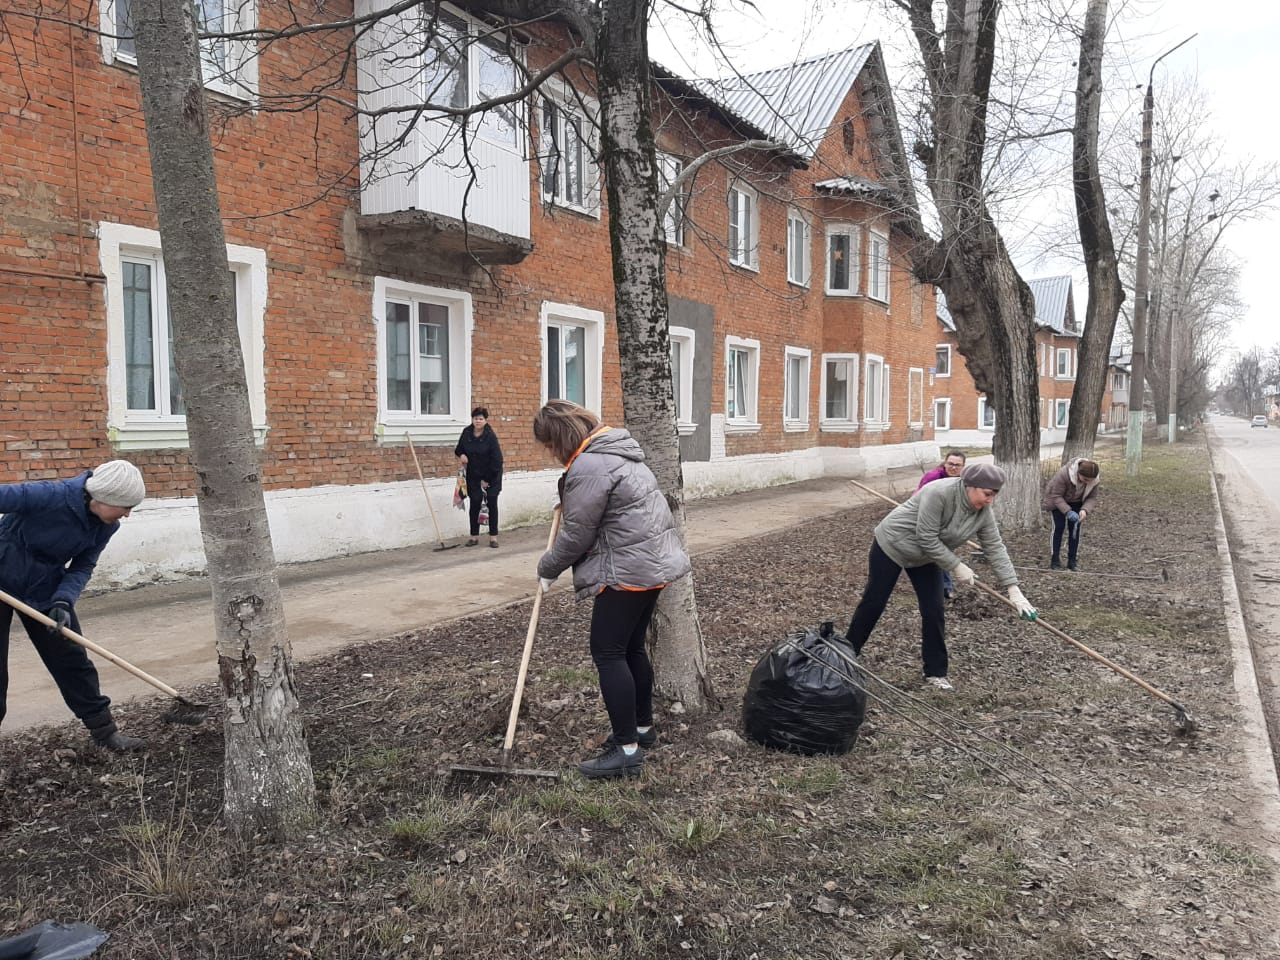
point(1137, 384)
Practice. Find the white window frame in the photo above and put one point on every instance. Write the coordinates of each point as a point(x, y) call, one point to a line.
point(847, 424)
point(433, 428)
point(149, 430)
point(982, 415)
point(854, 234)
point(915, 396)
point(1064, 354)
point(878, 267)
point(747, 422)
point(669, 167)
point(1061, 413)
point(237, 79)
point(743, 197)
point(937, 366)
point(1044, 359)
point(684, 336)
point(790, 421)
point(584, 111)
point(560, 315)
point(943, 422)
point(799, 248)
point(875, 392)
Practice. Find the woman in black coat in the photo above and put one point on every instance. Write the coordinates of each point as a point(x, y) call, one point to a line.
point(481, 456)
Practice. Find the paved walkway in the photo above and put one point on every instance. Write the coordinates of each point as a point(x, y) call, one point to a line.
point(167, 629)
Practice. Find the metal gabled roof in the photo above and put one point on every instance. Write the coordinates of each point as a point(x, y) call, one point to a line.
point(1052, 296)
point(944, 314)
point(796, 103)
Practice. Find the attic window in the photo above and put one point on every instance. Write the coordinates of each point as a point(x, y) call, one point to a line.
point(848, 135)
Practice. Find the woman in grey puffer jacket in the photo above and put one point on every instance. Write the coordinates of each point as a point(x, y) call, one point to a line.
point(617, 533)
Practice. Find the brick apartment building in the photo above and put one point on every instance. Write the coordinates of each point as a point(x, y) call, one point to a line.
point(381, 298)
point(961, 416)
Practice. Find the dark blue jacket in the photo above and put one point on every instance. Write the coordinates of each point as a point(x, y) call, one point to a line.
point(49, 541)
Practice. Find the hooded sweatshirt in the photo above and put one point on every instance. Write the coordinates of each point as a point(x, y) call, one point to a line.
point(1067, 487)
point(616, 529)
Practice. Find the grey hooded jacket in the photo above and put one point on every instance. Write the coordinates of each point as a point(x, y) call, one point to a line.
point(939, 518)
point(615, 527)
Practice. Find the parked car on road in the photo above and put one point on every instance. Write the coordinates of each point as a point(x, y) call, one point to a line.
point(1258, 421)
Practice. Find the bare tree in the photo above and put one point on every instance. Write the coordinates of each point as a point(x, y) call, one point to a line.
point(268, 785)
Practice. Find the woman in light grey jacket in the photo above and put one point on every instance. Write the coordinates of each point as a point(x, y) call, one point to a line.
point(618, 535)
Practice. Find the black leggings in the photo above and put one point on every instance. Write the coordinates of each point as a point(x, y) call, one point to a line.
point(619, 623)
point(478, 497)
point(882, 574)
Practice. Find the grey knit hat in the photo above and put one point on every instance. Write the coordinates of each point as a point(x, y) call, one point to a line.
point(985, 476)
point(117, 483)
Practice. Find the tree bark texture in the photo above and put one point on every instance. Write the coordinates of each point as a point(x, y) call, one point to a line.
point(640, 305)
point(1105, 290)
point(993, 308)
point(268, 784)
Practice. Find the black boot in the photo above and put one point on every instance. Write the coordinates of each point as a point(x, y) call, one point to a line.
point(1055, 563)
point(102, 727)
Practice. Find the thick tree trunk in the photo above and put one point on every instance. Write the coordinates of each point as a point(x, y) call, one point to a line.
point(640, 298)
point(268, 786)
point(1105, 290)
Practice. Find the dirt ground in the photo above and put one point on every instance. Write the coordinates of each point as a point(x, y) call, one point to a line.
point(1050, 811)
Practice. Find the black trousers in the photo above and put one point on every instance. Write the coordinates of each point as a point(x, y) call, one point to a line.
point(882, 575)
point(67, 663)
point(619, 623)
point(1073, 533)
point(477, 497)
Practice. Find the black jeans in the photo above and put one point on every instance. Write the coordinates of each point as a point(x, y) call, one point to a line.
point(67, 663)
point(619, 623)
point(1073, 533)
point(478, 497)
point(882, 575)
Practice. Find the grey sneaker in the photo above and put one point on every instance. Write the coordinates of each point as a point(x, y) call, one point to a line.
point(939, 683)
point(614, 762)
point(118, 742)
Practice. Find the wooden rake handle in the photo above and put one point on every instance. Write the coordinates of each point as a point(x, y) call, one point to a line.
point(423, 480)
point(89, 645)
point(510, 739)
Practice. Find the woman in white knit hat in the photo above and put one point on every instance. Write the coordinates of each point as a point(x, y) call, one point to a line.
point(50, 538)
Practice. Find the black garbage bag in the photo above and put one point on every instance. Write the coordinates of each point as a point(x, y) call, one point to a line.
point(806, 695)
point(51, 940)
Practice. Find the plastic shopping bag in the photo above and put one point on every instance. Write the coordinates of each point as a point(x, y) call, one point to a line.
point(460, 491)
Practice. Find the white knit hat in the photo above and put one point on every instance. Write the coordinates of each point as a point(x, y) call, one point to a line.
point(117, 483)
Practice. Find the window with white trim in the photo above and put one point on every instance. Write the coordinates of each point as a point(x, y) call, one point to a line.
point(424, 359)
point(942, 361)
point(570, 176)
point(875, 394)
point(744, 227)
point(942, 414)
point(1064, 368)
point(1044, 359)
point(1118, 381)
point(839, 391)
point(915, 396)
point(741, 381)
point(878, 267)
point(573, 353)
point(466, 62)
point(682, 339)
point(986, 415)
point(669, 168)
point(795, 388)
point(145, 409)
point(799, 247)
point(844, 266)
point(229, 66)
point(1061, 412)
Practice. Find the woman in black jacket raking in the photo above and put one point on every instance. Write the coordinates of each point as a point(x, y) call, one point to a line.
point(481, 456)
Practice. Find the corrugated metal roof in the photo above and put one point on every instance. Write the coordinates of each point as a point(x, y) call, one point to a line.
point(853, 184)
point(797, 102)
point(1052, 296)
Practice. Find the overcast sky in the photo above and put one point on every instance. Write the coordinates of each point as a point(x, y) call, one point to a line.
point(1232, 55)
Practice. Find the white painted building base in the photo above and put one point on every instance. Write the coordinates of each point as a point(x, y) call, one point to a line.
point(161, 540)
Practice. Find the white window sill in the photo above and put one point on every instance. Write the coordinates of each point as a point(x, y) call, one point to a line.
point(943, 376)
point(916, 424)
point(593, 213)
point(795, 426)
point(842, 293)
point(437, 433)
point(685, 427)
point(751, 267)
point(883, 300)
point(876, 426)
point(838, 426)
point(802, 284)
point(741, 426)
point(163, 436)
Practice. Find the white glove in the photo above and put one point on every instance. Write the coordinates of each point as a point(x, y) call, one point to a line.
point(963, 575)
point(1025, 610)
point(546, 583)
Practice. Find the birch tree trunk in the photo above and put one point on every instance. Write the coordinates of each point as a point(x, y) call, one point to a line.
point(1105, 291)
point(640, 304)
point(268, 786)
point(993, 308)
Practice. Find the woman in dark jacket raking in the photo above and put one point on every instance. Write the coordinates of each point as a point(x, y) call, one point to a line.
point(50, 538)
point(481, 456)
point(617, 533)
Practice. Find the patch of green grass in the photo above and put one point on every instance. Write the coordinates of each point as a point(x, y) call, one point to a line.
point(436, 818)
point(1114, 622)
point(573, 677)
point(386, 758)
point(1248, 862)
point(820, 778)
point(1177, 474)
point(432, 894)
point(694, 834)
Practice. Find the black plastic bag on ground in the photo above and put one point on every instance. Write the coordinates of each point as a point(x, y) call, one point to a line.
point(806, 695)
